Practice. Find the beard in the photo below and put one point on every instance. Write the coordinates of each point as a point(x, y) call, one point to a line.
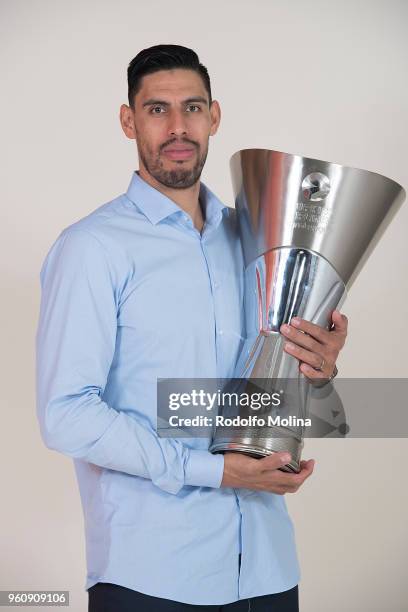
point(177, 178)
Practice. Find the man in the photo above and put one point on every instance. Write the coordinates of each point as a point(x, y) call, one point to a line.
point(149, 286)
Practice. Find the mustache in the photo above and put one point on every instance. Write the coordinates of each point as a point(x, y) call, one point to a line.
point(176, 141)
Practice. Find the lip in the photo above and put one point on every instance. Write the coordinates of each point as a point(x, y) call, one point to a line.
point(178, 152)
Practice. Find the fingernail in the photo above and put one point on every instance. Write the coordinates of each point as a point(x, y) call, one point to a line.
point(295, 322)
point(286, 328)
point(290, 346)
point(285, 458)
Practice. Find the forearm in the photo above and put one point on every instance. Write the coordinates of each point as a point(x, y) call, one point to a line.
point(86, 428)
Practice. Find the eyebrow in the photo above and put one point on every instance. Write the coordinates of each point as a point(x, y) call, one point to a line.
point(152, 101)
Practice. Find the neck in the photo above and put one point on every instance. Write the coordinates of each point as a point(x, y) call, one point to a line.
point(187, 199)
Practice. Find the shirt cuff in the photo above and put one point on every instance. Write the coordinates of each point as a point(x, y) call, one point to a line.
point(203, 469)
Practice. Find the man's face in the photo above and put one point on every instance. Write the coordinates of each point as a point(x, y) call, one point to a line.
point(172, 122)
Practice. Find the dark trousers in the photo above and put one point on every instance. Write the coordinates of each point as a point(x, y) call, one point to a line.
point(106, 597)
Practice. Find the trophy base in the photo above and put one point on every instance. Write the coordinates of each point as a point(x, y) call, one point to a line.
point(262, 447)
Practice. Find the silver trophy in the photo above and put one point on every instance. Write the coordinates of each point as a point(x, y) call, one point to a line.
point(307, 227)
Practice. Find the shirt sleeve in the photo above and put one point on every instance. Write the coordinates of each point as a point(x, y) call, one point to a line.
point(75, 346)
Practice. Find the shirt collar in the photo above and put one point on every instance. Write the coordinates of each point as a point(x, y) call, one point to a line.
point(156, 206)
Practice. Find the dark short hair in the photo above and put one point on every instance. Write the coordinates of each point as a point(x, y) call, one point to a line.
point(163, 57)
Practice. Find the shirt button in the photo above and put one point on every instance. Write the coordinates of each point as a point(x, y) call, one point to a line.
point(216, 285)
point(220, 332)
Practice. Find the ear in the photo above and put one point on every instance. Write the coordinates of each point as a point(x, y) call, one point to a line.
point(215, 113)
point(127, 121)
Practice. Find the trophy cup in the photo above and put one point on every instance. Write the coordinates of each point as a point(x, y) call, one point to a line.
point(307, 227)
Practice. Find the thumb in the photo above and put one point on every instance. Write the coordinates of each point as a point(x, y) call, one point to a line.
point(275, 460)
point(340, 321)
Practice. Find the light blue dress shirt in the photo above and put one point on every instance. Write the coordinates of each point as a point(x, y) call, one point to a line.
point(131, 293)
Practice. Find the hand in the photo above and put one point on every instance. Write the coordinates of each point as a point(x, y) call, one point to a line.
point(315, 347)
point(241, 471)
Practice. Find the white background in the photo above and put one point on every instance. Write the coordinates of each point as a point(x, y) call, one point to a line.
point(320, 78)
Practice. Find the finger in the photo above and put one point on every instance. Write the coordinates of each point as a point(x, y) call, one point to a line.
point(319, 333)
point(306, 470)
point(340, 322)
point(307, 467)
point(306, 462)
point(274, 461)
point(314, 374)
point(314, 360)
point(300, 338)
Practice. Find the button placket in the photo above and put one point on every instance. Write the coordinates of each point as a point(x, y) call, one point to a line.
point(214, 285)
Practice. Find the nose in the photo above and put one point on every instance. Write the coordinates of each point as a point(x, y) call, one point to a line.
point(177, 125)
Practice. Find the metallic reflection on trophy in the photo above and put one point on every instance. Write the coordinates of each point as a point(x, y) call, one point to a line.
point(307, 227)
